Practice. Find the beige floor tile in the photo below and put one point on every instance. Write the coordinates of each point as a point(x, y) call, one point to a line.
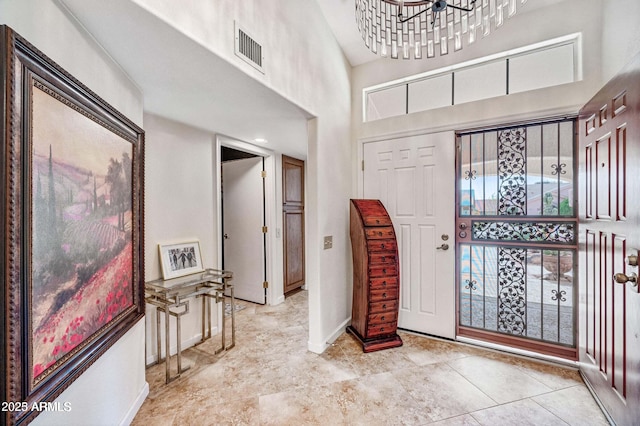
point(424, 351)
point(271, 378)
point(552, 375)
point(465, 420)
point(373, 400)
point(373, 362)
point(574, 405)
point(521, 413)
point(502, 381)
point(336, 355)
point(156, 415)
point(443, 390)
point(239, 412)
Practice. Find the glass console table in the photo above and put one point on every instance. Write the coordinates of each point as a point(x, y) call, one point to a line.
point(172, 297)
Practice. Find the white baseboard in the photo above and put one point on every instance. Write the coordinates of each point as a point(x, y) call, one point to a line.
point(192, 341)
point(319, 348)
point(128, 418)
point(279, 300)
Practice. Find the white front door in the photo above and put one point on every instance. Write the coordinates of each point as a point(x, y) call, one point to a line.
point(243, 218)
point(414, 177)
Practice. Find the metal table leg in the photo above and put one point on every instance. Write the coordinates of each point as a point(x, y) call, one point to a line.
point(233, 317)
point(167, 358)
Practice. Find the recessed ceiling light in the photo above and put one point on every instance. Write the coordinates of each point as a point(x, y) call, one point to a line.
point(260, 140)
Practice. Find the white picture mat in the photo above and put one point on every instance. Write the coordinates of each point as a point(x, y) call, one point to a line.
point(180, 259)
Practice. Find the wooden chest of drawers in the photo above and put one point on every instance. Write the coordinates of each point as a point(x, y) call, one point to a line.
point(376, 293)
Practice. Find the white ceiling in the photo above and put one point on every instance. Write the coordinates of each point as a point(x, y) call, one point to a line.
point(341, 16)
point(183, 81)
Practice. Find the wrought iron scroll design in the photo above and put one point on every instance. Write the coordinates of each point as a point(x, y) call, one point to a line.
point(547, 232)
point(471, 285)
point(559, 169)
point(512, 290)
point(559, 295)
point(512, 171)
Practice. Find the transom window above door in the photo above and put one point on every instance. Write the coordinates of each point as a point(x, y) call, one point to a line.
point(545, 64)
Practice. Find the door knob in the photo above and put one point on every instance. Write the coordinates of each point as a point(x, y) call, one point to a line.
point(621, 278)
point(443, 247)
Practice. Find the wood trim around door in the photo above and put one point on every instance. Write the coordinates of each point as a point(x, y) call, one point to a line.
point(293, 223)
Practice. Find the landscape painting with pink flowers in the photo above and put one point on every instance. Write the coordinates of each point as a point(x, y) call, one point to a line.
point(81, 255)
point(72, 207)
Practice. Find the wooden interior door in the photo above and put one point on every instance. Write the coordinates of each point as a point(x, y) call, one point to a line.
point(414, 177)
point(609, 136)
point(293, 222)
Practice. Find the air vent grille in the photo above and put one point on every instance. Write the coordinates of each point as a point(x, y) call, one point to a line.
point(248, 49)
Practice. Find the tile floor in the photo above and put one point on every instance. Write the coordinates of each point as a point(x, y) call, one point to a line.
point(270, 378)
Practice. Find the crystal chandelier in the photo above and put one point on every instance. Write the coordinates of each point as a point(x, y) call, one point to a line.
point(428, 27)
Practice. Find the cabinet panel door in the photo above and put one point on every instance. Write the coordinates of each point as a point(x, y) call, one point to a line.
point(293, 222)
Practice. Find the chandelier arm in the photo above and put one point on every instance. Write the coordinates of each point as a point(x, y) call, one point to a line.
point(411, 17)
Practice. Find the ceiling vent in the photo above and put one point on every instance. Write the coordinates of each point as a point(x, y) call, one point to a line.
point(248, 49)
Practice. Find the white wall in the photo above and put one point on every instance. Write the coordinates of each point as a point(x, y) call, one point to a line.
point(110, 391)
point(620, 35)
point(179, 206)
point(304, 64)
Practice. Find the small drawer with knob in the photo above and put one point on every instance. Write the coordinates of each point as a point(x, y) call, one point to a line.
point(381, 245)
point(384, 294)
point(384, 317)
point(380, 329)
point(384, 258)
point(382, 270)
point(376, 221)
point(383, 283)
point(379, 233)
point(384, 306)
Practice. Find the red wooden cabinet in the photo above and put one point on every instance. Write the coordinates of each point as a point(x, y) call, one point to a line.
point(376, 283)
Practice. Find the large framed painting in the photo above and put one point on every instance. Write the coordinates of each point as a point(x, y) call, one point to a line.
point(72, 218)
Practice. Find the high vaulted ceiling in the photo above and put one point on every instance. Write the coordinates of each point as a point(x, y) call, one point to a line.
point(182, 80)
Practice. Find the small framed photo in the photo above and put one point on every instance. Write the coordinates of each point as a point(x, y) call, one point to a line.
point(180, 259)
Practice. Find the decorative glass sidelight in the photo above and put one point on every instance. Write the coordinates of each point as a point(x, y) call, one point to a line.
point(554, 232)
point(525, 292)
point(512, 172)
point(511, 290)
point(516, 262)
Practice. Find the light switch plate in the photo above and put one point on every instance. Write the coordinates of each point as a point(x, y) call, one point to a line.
point(328, 242)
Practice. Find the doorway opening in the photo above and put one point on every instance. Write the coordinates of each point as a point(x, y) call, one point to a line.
point(244, 243)
point(517, 237)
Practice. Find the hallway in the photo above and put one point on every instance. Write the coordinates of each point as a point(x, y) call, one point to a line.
point(270, 378)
